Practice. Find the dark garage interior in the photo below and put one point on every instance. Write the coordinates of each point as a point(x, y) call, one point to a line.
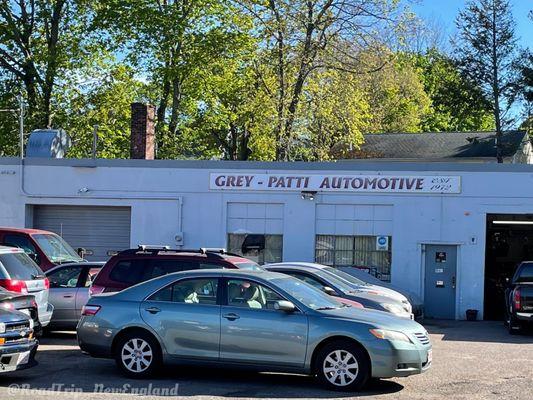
point(509, 242)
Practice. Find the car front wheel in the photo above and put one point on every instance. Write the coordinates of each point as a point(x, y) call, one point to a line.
point(138, 355)
point(342, 365)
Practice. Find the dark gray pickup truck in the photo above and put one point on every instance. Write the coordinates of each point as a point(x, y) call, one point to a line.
point(519, 298)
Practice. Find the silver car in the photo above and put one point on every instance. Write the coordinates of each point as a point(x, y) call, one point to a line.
point(259, 320)
point(357, 284)
point(20, 274)
point(69, 291)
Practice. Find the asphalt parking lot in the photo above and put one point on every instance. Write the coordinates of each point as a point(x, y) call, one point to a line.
point(476, 360)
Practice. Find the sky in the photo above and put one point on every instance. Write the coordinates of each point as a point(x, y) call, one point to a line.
point(444, 12)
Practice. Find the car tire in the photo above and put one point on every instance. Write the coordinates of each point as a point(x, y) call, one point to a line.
point(342, 365)
point(138, 354)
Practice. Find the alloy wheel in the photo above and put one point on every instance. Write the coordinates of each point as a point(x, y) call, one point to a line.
point(340, 368)
point(136, 355)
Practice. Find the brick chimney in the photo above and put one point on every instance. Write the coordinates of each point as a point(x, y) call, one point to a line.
point(142, 131)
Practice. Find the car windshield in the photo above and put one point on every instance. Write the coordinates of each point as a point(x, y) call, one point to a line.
point(340, 284)
point(306, 294)
point(56, 249)
point(526, 274)
point(346, 276)
point(19, 266)
point(249, 265)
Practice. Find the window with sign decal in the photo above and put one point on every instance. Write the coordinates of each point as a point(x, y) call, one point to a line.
point(368, 252)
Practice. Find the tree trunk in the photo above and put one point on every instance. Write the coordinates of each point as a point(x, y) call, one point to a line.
point(176, 103)
point(496, 89)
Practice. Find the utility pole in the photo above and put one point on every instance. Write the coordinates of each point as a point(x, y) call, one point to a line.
point(21, 125)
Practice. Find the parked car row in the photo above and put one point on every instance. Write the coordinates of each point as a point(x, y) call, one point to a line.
point(153, 305)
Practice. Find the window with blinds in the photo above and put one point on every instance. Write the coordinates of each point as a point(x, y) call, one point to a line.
point(358, 251)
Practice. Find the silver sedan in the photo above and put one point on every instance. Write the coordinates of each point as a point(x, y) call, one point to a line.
point(259, 320)
point(69, 291)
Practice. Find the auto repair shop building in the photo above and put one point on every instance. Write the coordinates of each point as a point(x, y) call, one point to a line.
point(449, 232)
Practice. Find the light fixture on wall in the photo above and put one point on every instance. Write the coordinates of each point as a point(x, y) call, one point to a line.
point(308, 195)
point(512, 222)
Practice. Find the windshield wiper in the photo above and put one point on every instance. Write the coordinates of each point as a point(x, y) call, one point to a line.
point(37, 276)
point(326, 308)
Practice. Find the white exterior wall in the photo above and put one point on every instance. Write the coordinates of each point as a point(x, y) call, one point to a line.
point(166, 199)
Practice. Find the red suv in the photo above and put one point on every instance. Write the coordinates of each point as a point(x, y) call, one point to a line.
point(133, 266)
point(45, 248)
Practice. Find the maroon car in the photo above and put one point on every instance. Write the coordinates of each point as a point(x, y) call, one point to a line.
point(133, 266)
point(45, 248)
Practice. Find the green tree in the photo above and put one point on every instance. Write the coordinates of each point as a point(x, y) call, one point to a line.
point(173, 41)
point(299, 37)
point(457, 103)
point(486, 51)
point(104, 103)
point(396, 95)
point(40, 41)
point(336, 114)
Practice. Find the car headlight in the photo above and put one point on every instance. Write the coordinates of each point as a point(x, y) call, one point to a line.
point(390, 335)
point(393, 308)
point(2, 327)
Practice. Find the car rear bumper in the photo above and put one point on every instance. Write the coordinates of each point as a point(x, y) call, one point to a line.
point(524, 316)
point(19, 356)
point(46, 316)
point(95, 340)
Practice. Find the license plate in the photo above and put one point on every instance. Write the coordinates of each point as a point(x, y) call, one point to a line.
point(24, 358)
point(430, 356)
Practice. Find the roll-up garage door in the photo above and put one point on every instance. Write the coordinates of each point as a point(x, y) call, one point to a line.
point(98, 229)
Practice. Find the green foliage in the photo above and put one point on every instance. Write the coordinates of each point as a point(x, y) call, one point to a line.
point(487, 54)
point(106, 104)
point(396, 95)
point(236, 80)
point(457, 104)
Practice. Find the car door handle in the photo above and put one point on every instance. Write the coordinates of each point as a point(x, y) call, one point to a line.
point(153, 310)
point(231, 316)
point(68, 296)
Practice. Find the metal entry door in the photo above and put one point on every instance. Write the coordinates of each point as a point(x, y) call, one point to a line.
point(440, 281)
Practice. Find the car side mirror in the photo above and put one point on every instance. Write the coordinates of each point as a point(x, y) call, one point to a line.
point(82, 252)
point(35, 257)
point(284, 305)
point(329, 291)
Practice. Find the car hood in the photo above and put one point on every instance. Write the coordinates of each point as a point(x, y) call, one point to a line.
point(378, 298)
point(11, 316)
point(383, 291)
point(377, 319)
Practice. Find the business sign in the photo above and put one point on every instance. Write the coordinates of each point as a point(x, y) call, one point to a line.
point(382, 243)
point(336, 183)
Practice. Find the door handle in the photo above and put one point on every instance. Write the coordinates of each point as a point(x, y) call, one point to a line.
point(68, 296)
point(231, 316)
point(153, 310)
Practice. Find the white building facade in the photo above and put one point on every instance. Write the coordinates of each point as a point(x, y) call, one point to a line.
point(423, 226)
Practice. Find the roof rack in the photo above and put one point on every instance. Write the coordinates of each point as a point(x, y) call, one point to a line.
point(156, 249)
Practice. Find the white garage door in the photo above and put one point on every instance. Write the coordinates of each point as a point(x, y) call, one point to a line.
point(98, 229)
